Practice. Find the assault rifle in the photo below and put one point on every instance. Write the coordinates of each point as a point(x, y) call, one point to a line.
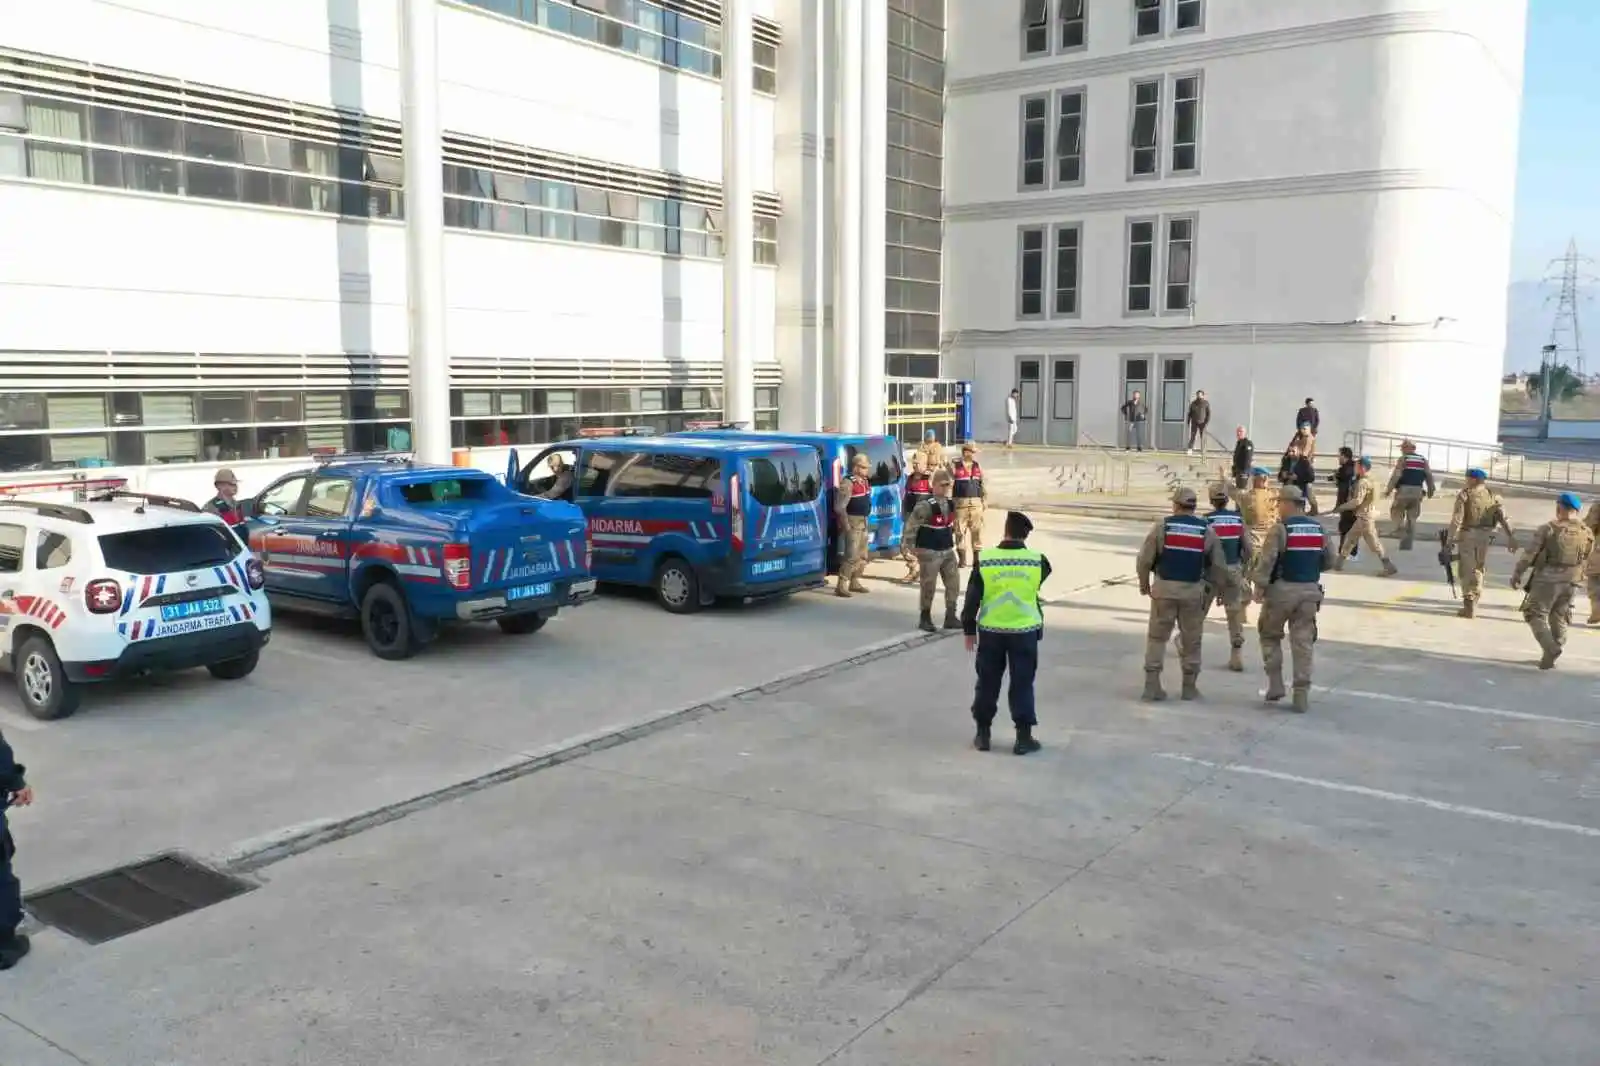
point(1447, 561)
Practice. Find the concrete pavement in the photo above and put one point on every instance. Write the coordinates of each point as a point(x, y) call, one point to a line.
point(826, 872)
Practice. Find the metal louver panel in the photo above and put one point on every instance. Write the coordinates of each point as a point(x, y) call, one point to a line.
point(98, 372)
point(89, 83)
point(766, 31)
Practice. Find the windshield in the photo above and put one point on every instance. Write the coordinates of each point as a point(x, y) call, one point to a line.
point(168, 549)
point(884, 455)
point(784, 477)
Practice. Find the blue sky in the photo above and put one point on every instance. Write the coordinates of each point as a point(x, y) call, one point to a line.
point(1558, 179)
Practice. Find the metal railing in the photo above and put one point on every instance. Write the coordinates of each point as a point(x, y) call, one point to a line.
point(1448, 456)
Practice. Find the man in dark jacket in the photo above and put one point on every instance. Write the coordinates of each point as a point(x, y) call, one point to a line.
point(1199, 418)
point(1134, 413)
point(14, 792)
point(1244, 457)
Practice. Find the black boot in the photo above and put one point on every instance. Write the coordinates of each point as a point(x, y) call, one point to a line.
point(12, 949)
point(925, 622)
point(950, 619)
point(981, 739)
point(1025, 743)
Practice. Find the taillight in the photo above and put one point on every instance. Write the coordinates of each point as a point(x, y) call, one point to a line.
point(253, 571)
point(458, 565)
point(102, 597)
point(736, 512)
point(588, 551)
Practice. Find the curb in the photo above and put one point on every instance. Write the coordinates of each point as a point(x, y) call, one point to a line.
point(252, 859)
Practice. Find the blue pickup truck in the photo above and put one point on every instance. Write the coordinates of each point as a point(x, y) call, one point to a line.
point(407, 547)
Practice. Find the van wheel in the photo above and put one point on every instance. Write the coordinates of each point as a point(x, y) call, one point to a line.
point(386, 623)
point(235, 669)
point(678, 587)
point(522, 624)
point(42, 682)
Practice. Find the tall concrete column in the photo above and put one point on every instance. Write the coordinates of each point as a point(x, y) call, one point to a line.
point(847, 195)
point(423, 161)
point(805, 228)
point(873, 167)
point(738, 217)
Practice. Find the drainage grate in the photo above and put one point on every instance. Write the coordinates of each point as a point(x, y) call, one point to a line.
point(126, 900)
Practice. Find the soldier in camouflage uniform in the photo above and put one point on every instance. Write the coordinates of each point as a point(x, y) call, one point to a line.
point(1411, 481)
point(1591, 569)
point(919, 487)
point(1477, 514)
point(1287, 575)
point(1365, 533)
point(1227, 584)
point(1559, 552)
point(1177, 555)
point(1258, 506)
point(931, 452)
point(934, 522)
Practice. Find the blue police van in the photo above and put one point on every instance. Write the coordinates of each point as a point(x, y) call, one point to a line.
point(408, 547)
point(837, 451)
point(694, 520)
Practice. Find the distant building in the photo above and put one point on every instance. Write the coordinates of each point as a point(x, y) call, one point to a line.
point(1232, 195)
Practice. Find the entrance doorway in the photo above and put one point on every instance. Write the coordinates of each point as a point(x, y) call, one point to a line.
point(1172, 430)
point(1030, 382)
point(1136, 378)
point(1061, 428)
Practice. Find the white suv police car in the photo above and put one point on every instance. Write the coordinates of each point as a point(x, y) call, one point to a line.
point(120, 584)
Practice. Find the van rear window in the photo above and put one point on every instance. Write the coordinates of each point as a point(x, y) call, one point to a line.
point(785, 477)
point(166, 549)
point(445, 490)
point(884, 455)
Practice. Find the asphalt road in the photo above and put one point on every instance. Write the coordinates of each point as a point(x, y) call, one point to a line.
point(818, 868)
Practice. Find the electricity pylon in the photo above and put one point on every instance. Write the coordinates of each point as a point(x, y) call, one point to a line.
point(1570, 275)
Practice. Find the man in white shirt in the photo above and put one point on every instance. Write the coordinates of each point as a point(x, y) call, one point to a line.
point(1011, 418)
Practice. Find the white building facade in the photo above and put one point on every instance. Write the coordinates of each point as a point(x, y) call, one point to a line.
point(1264, 201)
point(204, 254)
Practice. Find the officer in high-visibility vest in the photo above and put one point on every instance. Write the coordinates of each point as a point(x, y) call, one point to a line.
point(1003, 622)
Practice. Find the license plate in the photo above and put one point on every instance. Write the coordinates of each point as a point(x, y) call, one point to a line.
point(177, 612)
point(768, 566)
point(529, 592)
point(583, 588)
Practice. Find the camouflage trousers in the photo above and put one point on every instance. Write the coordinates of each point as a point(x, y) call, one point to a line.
point(1405, 511)
point(1233, 595)
point(1472, 545)
point(1594, 597)
point(1548, 611)
point(853, 549)
point(1363, 534)
point(938, 566)
point(1291, 607)
point(1188, 616)
point(969, 530)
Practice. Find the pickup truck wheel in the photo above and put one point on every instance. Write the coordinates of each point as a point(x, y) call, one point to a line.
point(386, 623)
point(42, 682)
point(678, 587)
point(235, 669)
point(521, 624)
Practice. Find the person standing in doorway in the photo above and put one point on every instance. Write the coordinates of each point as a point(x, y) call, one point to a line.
point(1012, 403)
point(1199, 418)
point(1134, 414)
point(1307, 421)
point(1244, 457)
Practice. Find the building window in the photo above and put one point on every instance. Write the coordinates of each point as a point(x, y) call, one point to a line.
point(1035, 134)
point(1035, 27)
point(1189, 15)
point(1186, 124)
point(1069, 251)
point(1141, 265)
point(1180, 263)
point(1071, 28)
point(1069, 137)
point(1146, 19)
point(1144, 142)
point(1030, 272)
